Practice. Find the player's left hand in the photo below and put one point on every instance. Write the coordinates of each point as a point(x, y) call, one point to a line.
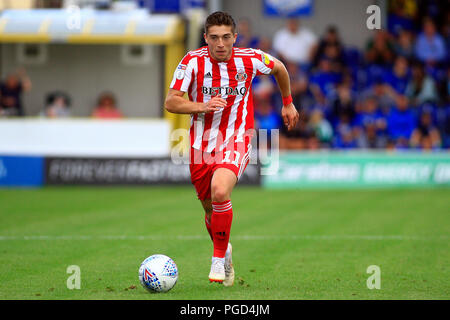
point(290, 116)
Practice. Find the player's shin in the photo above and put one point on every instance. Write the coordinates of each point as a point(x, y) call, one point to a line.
point(221, 219)
point(208, 225)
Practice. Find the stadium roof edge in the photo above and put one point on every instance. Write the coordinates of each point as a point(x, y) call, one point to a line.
point(89, 27)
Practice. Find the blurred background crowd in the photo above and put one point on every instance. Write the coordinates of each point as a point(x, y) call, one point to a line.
point(57, 103)
point(392, 94)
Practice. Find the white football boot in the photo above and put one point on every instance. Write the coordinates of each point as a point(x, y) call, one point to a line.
point(217, 273)
point(229, 270)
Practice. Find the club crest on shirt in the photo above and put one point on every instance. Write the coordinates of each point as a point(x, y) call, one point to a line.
point(241, 75)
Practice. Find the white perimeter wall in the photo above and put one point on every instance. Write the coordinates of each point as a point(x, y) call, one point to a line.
point(85, 138)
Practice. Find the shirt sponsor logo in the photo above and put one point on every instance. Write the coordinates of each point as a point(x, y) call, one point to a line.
point(214, 91)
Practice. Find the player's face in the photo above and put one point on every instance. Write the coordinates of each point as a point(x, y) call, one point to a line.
point(220, 40)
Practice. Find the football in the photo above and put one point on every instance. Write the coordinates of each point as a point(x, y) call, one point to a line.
point(158, 273)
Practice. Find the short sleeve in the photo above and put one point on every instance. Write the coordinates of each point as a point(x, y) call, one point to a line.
point(264, 62)
point(182, 76)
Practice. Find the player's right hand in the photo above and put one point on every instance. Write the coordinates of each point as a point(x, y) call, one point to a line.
point(215, 104)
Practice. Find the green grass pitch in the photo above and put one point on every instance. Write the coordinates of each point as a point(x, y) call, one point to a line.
point(288, 244)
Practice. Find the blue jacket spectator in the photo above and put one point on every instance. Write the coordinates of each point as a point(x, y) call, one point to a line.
point(324, 81)
point(370, 126)
point(405, 45)
point(399, 76)
point(401, 120)
point(371, 115)
point(401, 15)
point(345, 134)
point(266, 117)
point(245, 38)
point(430, 46)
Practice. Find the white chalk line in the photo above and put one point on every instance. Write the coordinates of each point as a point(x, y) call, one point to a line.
point(236, 237)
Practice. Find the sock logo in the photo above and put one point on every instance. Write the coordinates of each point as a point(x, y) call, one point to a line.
point(222, 233)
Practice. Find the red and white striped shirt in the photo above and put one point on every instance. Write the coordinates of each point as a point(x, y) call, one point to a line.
point(202, 78)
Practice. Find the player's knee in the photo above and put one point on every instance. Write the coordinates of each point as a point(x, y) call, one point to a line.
point(219, 194)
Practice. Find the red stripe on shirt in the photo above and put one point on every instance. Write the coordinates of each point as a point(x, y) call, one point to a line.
point(231, 69)
point(209, 116)
point(240, 114)
point(179, 82)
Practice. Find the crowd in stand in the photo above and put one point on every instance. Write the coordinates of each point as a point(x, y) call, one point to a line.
point(393, 95)
point(57, 104)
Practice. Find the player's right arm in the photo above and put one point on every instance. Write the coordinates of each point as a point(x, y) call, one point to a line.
point(176, 103)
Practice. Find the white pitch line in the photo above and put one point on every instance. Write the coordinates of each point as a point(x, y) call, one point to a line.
point(237, 237)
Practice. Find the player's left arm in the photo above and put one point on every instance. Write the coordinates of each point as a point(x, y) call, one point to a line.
point(289, 112)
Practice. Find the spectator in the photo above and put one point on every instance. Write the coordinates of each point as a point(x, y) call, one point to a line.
point(442, 84)
point(401, 122)
point(263, 88)
point(447, 86)
point(398, 77)
point(404, 46)
point(380, 50)
point(371, 115)
point(321, 128)
point(265, 44)
point(301, 95)
point(383, 93)
point(343, 104)
point(370, 139)
point(266, 117)
point(401, 15)
point(426, 135)
point(430, 46)
point(57, 106)
point(345, 134)
point(446, 32)
point(334, 53)
point(329, 46)
point(298, 137)
point(11, 93)
point(294, 43)
point(245, 38)
point(370, 126)
point(324, 81)
point(106, 107)
point(421, 88)
point(444, 125)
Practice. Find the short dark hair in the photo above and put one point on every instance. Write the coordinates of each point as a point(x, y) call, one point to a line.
point(220, 18)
